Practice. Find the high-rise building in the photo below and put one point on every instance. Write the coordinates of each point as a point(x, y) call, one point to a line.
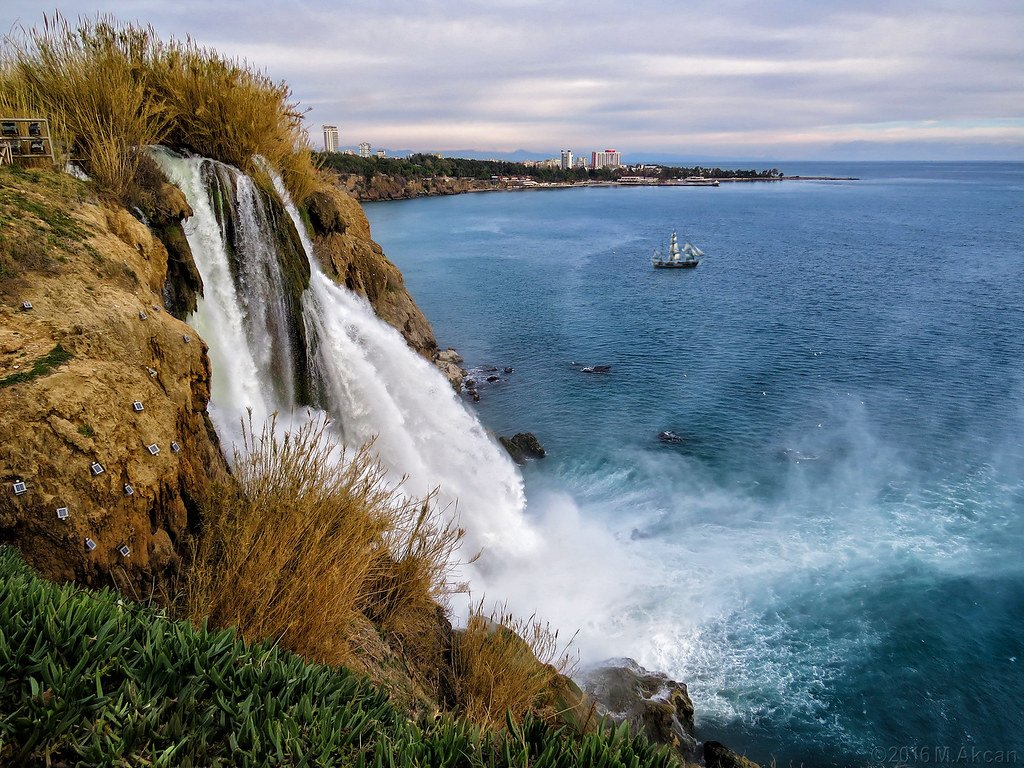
point(566, 159)
point(364, 149)
point(610, 158)
point(330, 138)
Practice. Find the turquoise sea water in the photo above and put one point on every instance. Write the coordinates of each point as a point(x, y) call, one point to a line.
point(831, 556)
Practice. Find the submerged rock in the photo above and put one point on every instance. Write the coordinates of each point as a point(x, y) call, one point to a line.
point(669, 437)
point(593, 368)
point(523, 446)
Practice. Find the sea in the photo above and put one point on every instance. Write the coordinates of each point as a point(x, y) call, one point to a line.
point(828, 548)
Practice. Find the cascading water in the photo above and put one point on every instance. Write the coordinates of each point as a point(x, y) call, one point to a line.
point(368, 380)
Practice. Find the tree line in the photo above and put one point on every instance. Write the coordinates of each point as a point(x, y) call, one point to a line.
point(420, 166)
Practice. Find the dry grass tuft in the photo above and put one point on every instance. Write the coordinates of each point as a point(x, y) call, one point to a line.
point(110, 89)
point(506, 667)
point(309, 540)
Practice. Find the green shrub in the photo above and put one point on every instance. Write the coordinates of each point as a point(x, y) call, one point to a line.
point(87, 678)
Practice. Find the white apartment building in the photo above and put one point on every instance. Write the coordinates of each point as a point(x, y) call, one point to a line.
point(330, 138)
point(610, 158)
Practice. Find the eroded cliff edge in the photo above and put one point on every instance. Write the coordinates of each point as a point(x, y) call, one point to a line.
point(103, 386)
point(95, 340)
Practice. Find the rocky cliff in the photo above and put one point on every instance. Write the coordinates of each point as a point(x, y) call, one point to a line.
point(110, 487)
point(382, 187)
point(105, 443)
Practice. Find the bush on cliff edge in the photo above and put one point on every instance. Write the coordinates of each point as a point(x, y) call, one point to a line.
point(110, 89)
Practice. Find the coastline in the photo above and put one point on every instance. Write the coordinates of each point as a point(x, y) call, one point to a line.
point(382, 188)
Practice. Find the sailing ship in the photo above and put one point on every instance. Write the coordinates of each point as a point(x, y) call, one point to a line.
point(687, 258)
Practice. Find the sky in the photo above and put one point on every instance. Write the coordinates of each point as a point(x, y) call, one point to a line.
point(791, 79)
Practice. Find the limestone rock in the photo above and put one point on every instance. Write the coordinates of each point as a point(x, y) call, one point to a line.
point(649, 701)
point(100, 304)
point(449, 362)
point(717, 755)
point(523, 446)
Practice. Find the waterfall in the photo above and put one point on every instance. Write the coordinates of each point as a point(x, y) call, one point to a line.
point(368, 380)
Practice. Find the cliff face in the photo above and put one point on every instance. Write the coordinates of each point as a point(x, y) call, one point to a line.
point(95, 340)
point(380, 187)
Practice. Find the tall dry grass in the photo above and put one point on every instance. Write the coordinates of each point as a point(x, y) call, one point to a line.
point(111, 88)
point(505, 667)
point(91, 82)
point(309, 539)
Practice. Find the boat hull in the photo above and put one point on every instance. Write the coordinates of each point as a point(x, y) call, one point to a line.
point(675, 264)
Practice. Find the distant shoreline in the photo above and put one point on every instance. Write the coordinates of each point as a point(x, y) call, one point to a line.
point(393, 188)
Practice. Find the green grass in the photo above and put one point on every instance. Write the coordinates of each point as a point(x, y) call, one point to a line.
point(44, 366)
point(87, 678)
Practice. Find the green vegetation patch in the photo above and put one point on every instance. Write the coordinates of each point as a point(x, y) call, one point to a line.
point(44, 366)
point(37, 230)
point(89, 678)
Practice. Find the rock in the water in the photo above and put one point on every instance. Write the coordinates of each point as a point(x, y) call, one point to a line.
point(509, 369)
point(523, 446)
point(596, 368)
point(493, 379)
point(449, 362)
point(669, 437)
point(717, 755)
point(649, 701)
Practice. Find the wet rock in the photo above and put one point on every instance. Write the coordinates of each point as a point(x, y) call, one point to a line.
point(717, 755)
point(523, 446)
point(650, 702)
point(509, 369)
point(669, 437)
point(596, 369)
point(448, 361)
point(493, 379)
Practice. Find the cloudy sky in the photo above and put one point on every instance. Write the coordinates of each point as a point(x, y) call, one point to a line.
point(885, 79)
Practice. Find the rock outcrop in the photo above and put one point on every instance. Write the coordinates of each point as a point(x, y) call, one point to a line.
point(718, 755)
point(384, 187)
point(523, 446)
point(96, 340)
point(649, 701)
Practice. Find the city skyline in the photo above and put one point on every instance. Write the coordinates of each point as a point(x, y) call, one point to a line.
point(794, 80)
